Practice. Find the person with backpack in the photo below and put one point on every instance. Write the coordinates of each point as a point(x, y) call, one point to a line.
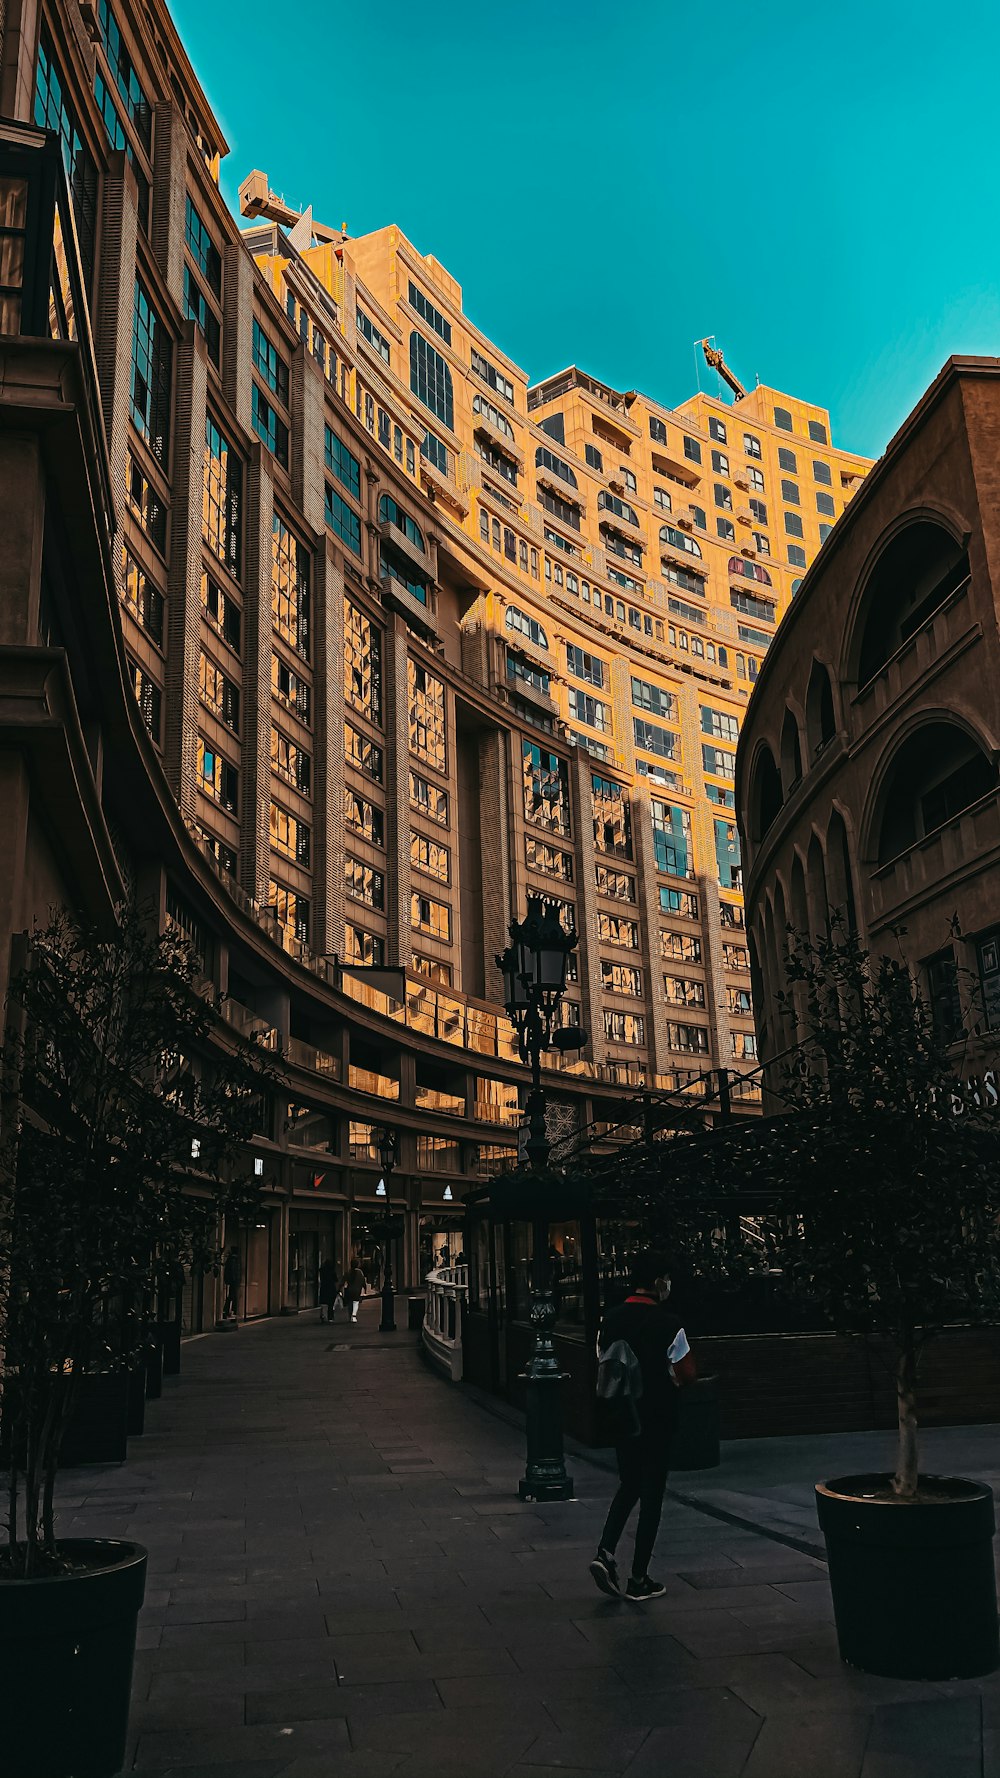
point(643, 1358)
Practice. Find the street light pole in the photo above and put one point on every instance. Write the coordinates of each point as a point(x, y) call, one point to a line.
point(534, 972)
point(388, 1147)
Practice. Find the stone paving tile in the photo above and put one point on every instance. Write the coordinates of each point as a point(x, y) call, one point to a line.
point(344, 1585)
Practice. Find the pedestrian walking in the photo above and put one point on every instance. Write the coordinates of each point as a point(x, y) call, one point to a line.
point(327, 1289)
point(354, 1289)
point(232, 1277)
point(644, 1358)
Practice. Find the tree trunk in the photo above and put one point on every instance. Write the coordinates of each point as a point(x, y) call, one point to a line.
point(904, 1482)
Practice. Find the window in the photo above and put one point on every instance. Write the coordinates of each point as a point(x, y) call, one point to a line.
point(366, 755)
point(817, 432)
point(342, 519)
point(679, 947)
point(661, 498)
point(290, 586)
point(217, 777)
point(657, 430)
point(787, 460)
point(430, 381)
point(821, 473)
point(796, 558)
point(616, 884)
point(699, 518)
point(427, 715)
point(540, 856)
point(653, 739)
point(269, 364)
point(290, 762)
point(728, 856)
point(612, 818)
point(726, 530)
point(546, 789)
point(790, 492)
point(719, 724)
point(427, 312)
point(524, 625)
point(560, 509)
point(222, 498)
point(692, 449)
point(269, 428)
point(678, 901)
point(755, 478)
point(430, 856)
point(197, 309)
point(672, 839)
point(362, 662)
point(717, 429)
point(389, 512)
point(52, 112)
point(751, 445)
point(613, 929)
point(363, 948)
point(141, 597)
point(125, 77)
point(689, 1039)
point(589, 710)
point(680, 990)
point(610, 503)
point(720, 463)
point(546, 459)
point(718, 762)
point(364, 817)
point(735, 957)
point(428, 799)
point(370, 332)
point(624, 1027)
point(483, 368)
point(793, 524)
point(290, 688)
point(759, 511)
point(584, 666)
point(148, 696)
point(289, 835)
point(345, 467)
point(218, 692)
point(824, 504)
point(761, 543)
point(621, 978)
point(431, 917)
point(744, 1046)
point(291, 911)
point(783, 419)
point(150, 393)
point(364, 883)
point(759, 637)
point(824, 532)
point(594, 458)
point(535, 677)
point(654, 699)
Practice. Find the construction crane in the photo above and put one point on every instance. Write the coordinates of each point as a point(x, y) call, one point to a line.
point(714, 358)
point(257, 199)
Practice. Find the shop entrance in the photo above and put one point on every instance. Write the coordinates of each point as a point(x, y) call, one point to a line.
point(255, 1254)
point(313, 1236)
point(442, 1242)
point(368, 1246)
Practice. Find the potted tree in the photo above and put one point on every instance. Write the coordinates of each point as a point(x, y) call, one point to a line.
point(122, 1121)
point(896, 1175)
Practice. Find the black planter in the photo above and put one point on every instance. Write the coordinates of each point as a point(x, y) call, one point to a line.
point(66, 1652)
point(136, 1421)
point(914, 1590)
point(154, 1369)
point(97, 1431)
point(171, 1332)
point(695, 1444)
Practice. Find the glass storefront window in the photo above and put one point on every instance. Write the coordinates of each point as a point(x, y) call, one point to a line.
point(566, 1274)
point(616, 1245)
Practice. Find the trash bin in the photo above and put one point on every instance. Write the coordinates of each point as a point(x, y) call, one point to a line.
point(696, 1440)
point(415, 1312)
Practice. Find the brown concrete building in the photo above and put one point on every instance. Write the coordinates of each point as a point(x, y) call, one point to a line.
point(332, 637)
point(867, 770)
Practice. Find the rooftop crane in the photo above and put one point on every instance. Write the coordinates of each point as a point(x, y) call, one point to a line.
point(714, 357)
point(257, 199)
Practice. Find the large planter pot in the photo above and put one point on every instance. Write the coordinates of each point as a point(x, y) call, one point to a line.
point(914, 1589)
point(97, 1431)
point(136, 1418)
point(171, 1331)
point(695, 1444)
point(153, 1364)
point(66, 1652)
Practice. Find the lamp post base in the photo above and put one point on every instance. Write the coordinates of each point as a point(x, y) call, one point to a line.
point(545, 1475)
point(388, 1321)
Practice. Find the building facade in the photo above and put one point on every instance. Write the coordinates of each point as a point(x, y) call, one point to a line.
point(403, 642)
point(867, 771)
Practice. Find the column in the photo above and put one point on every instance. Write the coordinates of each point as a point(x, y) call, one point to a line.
point(397, 791)
point(180, 727)
point(255, 801)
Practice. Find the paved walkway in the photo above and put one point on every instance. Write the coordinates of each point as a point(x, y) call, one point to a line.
point(343, 1584)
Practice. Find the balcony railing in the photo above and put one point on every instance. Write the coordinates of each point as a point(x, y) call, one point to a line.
point(447, 1291)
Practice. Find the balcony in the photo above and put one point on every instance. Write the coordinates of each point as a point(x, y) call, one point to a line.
point(316, 1061)
point(932, 864)
point(947, 632)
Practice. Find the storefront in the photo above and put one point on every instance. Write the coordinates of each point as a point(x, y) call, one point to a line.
point(256, 1248)
point(313, 1236)
point(441, 1239)
point(368, 1242)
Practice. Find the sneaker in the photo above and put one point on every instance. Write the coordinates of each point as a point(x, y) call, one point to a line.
point(644, 1589)
point(604, 1569)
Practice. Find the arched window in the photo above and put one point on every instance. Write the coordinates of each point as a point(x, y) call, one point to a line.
point(610, 503)
point(526, 626)
point(936, 774)
point(791, 753)
point(546, 459)
point(390, 513)
point(821, 723)
point(497, 420)
point(765, 794)
point(749, 570)
point(915, 574)
point(680, 540)
point(430, 379)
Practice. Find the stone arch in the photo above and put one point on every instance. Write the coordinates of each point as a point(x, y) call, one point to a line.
point(934, 772)
point(765, 793)
point(791, 752)
point(914, 571)
point(821, 720)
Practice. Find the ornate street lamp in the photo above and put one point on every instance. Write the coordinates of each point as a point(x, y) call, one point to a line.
point(388, 1154)
point(534, 973)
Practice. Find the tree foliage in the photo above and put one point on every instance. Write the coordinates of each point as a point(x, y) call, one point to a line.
point(122, 1127)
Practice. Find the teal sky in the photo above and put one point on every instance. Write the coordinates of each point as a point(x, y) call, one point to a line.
point(816, 186)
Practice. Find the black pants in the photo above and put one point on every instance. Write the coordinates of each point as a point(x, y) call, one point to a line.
point(642, 1473)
